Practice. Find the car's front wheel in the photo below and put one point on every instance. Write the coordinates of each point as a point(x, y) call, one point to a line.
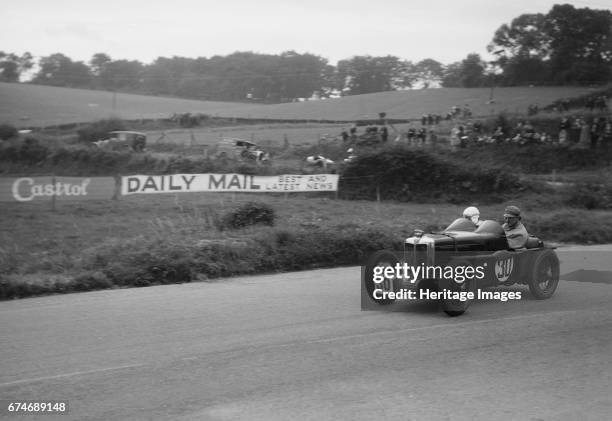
point(458, 298)
point(545, 275)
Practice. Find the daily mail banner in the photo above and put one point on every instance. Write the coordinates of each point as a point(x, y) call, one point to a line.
point(177, 183)
point(28, 189)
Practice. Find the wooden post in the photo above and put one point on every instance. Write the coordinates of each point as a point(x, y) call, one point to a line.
point(53, 197)
point(117, 192)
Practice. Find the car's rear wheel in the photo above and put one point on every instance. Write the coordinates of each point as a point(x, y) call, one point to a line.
point(545, 275)
point(383, 259)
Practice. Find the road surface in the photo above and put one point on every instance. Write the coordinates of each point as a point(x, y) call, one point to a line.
point(297, 347)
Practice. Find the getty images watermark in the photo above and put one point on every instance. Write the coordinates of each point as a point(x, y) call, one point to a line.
point(385, 278)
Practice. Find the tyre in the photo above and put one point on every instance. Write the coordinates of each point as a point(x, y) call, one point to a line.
point(380, 258)
point(545, 275)
point(456, 307)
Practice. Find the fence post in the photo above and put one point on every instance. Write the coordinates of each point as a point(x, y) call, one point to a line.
point(117, 191)
point(53, 197)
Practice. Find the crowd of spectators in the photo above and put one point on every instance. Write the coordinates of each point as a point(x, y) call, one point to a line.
point(576, 132)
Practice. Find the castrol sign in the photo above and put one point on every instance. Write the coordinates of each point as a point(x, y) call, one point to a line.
point(28, 189)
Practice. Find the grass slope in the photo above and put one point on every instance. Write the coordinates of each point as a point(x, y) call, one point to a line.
point(51, 106)
point(48, 106)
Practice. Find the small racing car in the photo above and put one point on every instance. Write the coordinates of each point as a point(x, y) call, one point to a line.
point(461, 245)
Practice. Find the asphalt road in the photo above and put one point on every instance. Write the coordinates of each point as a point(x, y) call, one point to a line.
point(297, 346)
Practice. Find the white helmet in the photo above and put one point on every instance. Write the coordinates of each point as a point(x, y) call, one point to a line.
point(472, 213)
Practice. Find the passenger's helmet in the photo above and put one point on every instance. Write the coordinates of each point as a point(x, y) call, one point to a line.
point(472, 213)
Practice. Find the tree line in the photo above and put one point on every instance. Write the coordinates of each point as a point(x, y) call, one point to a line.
point(564, 46)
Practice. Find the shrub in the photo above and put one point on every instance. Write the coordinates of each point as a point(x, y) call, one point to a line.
point(250, 213)
point(405, 174)
point(575, 226)
point(7, 131)
point(591, 196)
point(32, 152)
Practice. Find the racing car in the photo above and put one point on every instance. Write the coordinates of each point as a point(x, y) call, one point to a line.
point(484, 248)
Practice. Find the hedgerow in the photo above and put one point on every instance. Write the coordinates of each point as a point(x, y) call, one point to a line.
point(141, 262)
point(403, 174)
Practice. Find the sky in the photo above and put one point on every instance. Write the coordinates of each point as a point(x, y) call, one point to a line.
point(445, 30)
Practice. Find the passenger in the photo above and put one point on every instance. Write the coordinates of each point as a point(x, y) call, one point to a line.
point(516, 233)
point(473, 214)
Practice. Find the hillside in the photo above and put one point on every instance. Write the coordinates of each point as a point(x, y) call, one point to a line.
point(49, 106)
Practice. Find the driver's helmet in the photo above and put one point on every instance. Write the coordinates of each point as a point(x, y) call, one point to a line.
point(472, 213)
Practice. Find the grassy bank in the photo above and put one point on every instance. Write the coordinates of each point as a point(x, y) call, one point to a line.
point(140, 241)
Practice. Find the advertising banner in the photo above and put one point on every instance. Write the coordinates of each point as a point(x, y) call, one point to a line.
point(177, 183)
point(28, 189)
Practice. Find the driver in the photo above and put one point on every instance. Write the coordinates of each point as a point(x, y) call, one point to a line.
point(516, 233)
point(473, 214)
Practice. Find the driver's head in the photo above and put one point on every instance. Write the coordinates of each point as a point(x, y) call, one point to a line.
point(472, 213)
point(512, 215)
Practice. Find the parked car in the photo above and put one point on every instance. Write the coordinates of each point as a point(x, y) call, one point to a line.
point(239, 149)
point(319, 161)
point(123, 139)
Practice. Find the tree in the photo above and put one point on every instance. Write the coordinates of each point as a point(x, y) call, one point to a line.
point(59, 70)
point(581, 44)
point(524, 37)
point(428, 72)
point(367, 74)
point(451, 77)
point(468, 73)
point(567, 45)
point(13, 66)
point(98, 63)
point(121, 75)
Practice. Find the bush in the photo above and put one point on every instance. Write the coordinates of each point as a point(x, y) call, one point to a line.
point(250, 213)
point(32, 152)
point(7, 131)
point(100, 129)
point(590, 196)
point(574, 226)
point(405, 174)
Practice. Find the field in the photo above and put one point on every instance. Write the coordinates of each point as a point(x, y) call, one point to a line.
point(41, 106)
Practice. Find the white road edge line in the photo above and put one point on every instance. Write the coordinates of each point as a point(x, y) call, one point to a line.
point(76, 373)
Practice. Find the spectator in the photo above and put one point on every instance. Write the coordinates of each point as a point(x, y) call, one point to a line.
point(584, 140)
point(455, 140)
point(564, 128)
point(422, 135)
point(384, 134)
point(345, 135)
